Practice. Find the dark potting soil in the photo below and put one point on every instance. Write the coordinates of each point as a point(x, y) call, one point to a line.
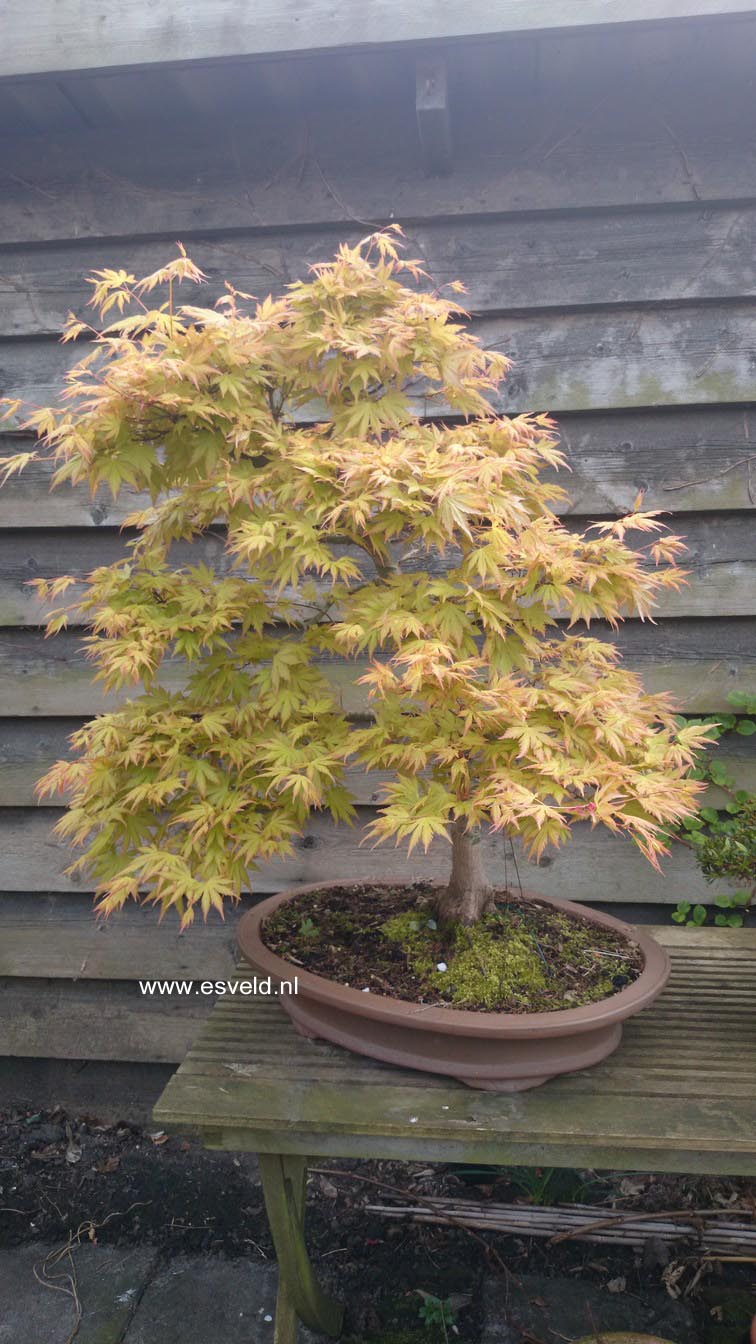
point(524, 957)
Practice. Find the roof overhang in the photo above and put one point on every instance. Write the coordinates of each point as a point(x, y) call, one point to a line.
point(57, 36)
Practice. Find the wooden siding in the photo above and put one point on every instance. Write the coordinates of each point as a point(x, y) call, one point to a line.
point(585, 361)
point(606, 246)
point(58, 35)
point(594, 863)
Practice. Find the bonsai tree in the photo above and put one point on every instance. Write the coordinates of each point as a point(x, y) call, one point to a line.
point(357, 522)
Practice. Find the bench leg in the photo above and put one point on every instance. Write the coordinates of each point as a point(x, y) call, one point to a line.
point(284, 1180)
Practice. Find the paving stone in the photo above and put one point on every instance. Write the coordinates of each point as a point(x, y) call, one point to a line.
point(205, 1300)
point(109, 1282)
point(551, 1309)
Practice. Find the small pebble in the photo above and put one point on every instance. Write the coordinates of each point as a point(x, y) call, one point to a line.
point(366, 990)
point(432, 924)
point(441, 966)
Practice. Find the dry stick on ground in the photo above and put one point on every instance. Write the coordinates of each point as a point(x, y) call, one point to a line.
point(71, 1291)
point(88, 1229)
point(452, 1222)
point(524, 1220)
point(638, 1214)
point(731, 1259)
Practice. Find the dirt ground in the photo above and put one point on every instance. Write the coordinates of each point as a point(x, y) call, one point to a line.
point(123, 1185)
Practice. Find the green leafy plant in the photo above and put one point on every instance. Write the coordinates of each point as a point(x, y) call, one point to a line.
point(425, 552)
point(724, 841)
point(549, 1185)
point(436, 1311)
point(539, 1185)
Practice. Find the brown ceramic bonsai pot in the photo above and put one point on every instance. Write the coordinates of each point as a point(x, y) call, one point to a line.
point(501, 1052)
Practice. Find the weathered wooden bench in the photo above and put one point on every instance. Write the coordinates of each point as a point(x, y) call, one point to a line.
point(678, 1095)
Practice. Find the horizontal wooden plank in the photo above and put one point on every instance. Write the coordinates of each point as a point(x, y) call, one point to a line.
point(519, 1149)
point(77, 553)
point(508, 263)
point(595, 360)
point(54, 35)
point(356, 166)
point(51, 1019)
point(701, 943)
point(685, 459)
point(34, 859)
point(698, 661)
point(29, 746)
point(58, 937)
point(721, 561)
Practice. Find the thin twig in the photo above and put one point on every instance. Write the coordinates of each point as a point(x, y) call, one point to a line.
point(517, 870)
point(88, 1229)
point(32, 186)
point(731, 1259)
point(683, 158)
point(368, 223)
point(704, 480)
point(71, 1291)
point(570, 135)
point(405, 1194)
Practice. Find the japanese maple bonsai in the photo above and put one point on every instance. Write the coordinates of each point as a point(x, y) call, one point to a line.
point(354, 522)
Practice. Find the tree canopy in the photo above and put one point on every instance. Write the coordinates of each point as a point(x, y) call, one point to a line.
point(372, 506)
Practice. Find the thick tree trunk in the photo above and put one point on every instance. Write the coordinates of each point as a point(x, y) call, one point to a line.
point(469, 895)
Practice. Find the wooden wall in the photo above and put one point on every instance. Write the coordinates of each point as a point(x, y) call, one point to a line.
point(601, 212)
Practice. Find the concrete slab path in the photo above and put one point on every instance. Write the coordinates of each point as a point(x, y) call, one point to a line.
point(109, 1282)
point(209, 1301)
point(128, 1296)
point(131, 1296)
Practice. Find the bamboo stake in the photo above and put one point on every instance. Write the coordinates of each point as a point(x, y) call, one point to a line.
point(560, 1224)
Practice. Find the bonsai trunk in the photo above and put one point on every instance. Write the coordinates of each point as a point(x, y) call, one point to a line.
point(469, 895)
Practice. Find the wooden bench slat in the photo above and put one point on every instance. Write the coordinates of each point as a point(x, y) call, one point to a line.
point(678, 1095)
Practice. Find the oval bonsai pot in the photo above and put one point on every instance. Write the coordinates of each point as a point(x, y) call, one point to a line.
point(500, 1052)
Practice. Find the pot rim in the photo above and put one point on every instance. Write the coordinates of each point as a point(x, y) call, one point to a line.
point(457, 1021)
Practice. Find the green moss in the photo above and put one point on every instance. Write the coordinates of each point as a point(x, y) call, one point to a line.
point(486, 965)
point(415, 932)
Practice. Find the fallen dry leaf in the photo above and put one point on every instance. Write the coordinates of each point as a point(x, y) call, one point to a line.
point(630, 1187)
point(671, 1278)
point(45, 1154)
